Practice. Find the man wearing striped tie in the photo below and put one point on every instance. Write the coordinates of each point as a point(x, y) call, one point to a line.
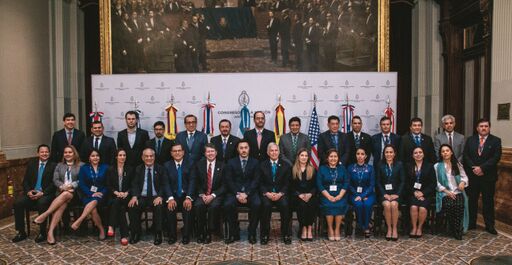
point(450, 136)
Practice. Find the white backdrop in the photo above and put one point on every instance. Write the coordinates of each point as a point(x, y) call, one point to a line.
point(368, 92)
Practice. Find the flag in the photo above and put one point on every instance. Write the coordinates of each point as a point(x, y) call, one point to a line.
point(139, 114)
point(389, 112)
point(347, 112)
point(208, 118)
point(96, 116)
point(279, 123)
point(172, 125)
point(313, 132)
point(245, 119)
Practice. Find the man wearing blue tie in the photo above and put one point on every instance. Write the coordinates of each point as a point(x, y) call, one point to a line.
point(333, 138)
point(160, 144)
point(383, 138)
point(192, 139)
point(415, 138)
point(225, 143)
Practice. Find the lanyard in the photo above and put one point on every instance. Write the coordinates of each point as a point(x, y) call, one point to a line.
point(334, 175)
point(360, 173)
point(417, 172)
point(94, 175)
point(389, 171)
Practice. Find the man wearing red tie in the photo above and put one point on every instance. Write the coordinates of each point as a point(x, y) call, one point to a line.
point(482, 153)
point(259, 137)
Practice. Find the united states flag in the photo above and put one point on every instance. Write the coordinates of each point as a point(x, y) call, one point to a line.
point(313, 132)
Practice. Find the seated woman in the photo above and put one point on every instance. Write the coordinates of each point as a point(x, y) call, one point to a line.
point(420, 188)
point(65, 178)
point(332, 182)
point(92, 184)
point(390, 177)
point(451, 197)
point(304, 193)
point(119, 177)
point(362, 194)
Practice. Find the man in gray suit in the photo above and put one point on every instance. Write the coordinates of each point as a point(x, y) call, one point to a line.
point(450, 136)
point(293, 141)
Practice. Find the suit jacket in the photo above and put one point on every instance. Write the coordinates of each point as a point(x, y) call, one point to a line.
point(397, 178)
point(273, 30)
point(365, 142)
point(428, 180)
point(488, 161)
point(60, 140)
point(377, 143)
point(187, 180)
point(113, 179)
point(407, 145)
point(282, 180)
point(200, 173)
point(165, 150)
point(230, 147)
point(285, 146)
point(312, 37)
point(457, 144)
point(324, 144)
point(133, 155)
point(197, 151)
point(239, 181)
point(160, 181)
point(107, 149)
point(30, 178)
point(252, 137)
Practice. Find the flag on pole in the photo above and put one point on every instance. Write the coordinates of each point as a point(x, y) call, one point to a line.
point(172, 125)
point(279, 123)
point(208, 126)
point(347, 112)
point(390, 113)
point(245, 119)
point(96, 116)
point(313, 132)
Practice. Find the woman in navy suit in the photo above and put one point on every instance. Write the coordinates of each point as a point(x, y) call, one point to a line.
point(93, 189)
point(332, 182)
point(390, 175)
point(420, 187)
point(362, 194)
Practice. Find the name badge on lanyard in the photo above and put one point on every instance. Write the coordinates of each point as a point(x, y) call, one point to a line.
point(417, 185)
point(334, 176)
point(94, 176)
point(388, 186)
point(333, 188)
point(94, 188)
point(359, 189)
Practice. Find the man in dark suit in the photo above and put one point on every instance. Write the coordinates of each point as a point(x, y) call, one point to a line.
point(292, 142)
point(414, 139)
point(193, 140)
point(482, 153)
point(210, 188)
point(275, 177)
point(284, 34)
point(312, 40)
point(241, 177)
point(298, 41)
point(149, 187)
point(182, 54)
point(273, 35)
point(330, 35)
point(38, 193)
point(181, 193)
point(259, 137)
point(172, 7)
point(104, 144)
point(359, 139)
point(67, 136)
point(132, 139)
point(383, 138)
point(160, 144)
point(225, 143)
point(333, 138)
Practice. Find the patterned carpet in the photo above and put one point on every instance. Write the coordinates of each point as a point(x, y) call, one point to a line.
point(437, 249)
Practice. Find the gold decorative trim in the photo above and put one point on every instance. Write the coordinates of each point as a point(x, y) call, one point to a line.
point(105, 37)
point(383, 43)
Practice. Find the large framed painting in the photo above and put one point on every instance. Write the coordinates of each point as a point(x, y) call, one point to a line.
point(218, 36)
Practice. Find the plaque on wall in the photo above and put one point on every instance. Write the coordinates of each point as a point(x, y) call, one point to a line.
point(504, 111)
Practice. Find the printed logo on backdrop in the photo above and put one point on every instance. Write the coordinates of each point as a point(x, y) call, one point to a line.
point(111, 130)
point(294, 99)
point(304, 85)
point(121, 87)
point(141, 86)
point(163, 87)
point(194, 100)
point(325, 85)
point(131, 101)
point(367, 114)
point(357, 99)
point(378, 98)
point(183, 86)
point(152, 100)
point(346, 85)
point(336, 98)
point(162, 115)
point(121, 116)
point(102, 87)
point(387, 85)
point(367, 84)
point(111, 101)
point(244, 99)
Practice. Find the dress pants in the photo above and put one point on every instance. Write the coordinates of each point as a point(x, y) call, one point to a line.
point(364, 209)
point(136, 211)
point(266, 215)
point(206, 224)
point(487, 189)
point(23, 203)
point(173, 221)
point(231, 212)
point(117, 215)
point(306, 211)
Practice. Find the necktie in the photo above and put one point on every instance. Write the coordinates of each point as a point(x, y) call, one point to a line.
point(149, 184)
point(209, 176)
point(68, 175)
point(481, 146)
point(450, 140)
point(386, 139)
point(180, 181)
point(70, 137)
point(259, 139)
point(39, 177)
point(224, 144)
point(96, 143)
point(244, 164)
point(334, 141)
point(274, 171)
point(417, 140)
point(294, 145)
point(358, 141)
point(158, 146)
point(190, 141)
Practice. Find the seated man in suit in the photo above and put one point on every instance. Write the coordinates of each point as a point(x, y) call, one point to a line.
point(333, 138)
point(241, 177)
point(259, 137)
point(451, 137)
point(291, 142)
point(413, 139)
point(181, 193)
point(69, 135)
point(192, 139)
point(209, 183)
point(357, 139)
point(38, 192)
point(132, 139)
point(160, 144)
point(383, 138)
point(104, 144)
point(225, 143)
point(149, 187)
point(275, 175)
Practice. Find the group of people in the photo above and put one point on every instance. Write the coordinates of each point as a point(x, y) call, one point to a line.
point(205, 178)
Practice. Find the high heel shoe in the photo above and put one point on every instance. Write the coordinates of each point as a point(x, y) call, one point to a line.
point(110, 233)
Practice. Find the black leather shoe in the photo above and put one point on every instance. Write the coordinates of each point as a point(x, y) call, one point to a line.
point(287, 240)
point(471, 227)
point(208, 239)
point(40, 238)
point(458, 236)
point(171, 240)
point(185, 240)
point(134, 238)
point(200, 239)
point(252, 240)
point(229, 240)
point(158, 239)
point(491, 230)
point(264, 240)
point(19, 237)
